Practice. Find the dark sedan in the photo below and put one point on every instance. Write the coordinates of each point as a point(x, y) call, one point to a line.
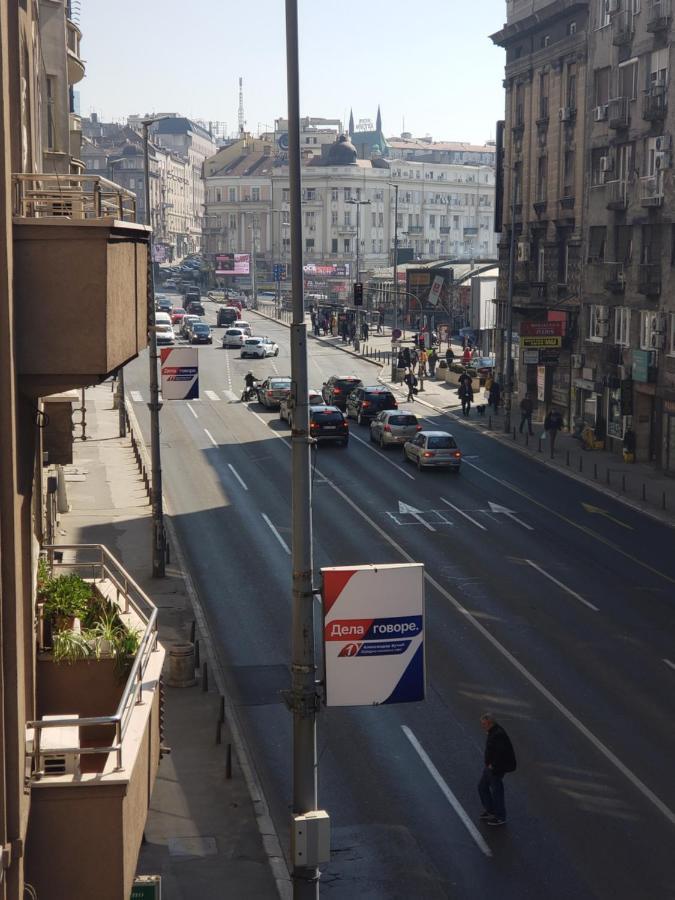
point(200, 333)
point(365, 403)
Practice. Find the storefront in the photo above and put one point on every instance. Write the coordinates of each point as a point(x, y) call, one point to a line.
point(619, 412)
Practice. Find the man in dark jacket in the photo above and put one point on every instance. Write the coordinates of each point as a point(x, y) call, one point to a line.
point(499, 759)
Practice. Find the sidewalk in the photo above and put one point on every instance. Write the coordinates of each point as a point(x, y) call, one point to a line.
point(203, 831)
point(639, 485)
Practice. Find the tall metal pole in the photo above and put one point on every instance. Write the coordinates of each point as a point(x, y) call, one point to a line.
point(304, 696)
point(508, 344)
point(158, 538)
point(394, 361)
point(120, 375)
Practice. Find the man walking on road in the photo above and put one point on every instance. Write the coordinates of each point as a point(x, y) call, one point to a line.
point(410, 380)
point(526, 414)
point(552, 425)
point(500, 758)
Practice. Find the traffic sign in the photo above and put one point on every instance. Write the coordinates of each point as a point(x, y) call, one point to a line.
point(279, 271)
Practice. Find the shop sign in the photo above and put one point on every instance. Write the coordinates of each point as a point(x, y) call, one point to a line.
point(541, 383)
point(529, 342)
point(531, 357)
point(541, 329)
point(548, 357)
point(641, 365)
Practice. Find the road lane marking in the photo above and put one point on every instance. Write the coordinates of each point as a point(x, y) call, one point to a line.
point(136, 396)
point(670, 664)
point(611, 757)
point(563, 587)
point(509, 513)
point(237, 476)
point(447, 793)
point(462, 513)
point(212, 395)
point(383, 456)
point(211, 437)
point(596, 510)
point(192, 411)
point(231, 396)
point(577, 525)
point(276, 534)
point(415, 513)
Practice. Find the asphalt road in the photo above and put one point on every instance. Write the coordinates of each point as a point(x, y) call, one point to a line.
point(557, 618)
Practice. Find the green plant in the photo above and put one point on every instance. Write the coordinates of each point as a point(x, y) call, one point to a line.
point(67, 597)
point(69, 646)
point(107, 635)
point(44, 577)
point(126, 648)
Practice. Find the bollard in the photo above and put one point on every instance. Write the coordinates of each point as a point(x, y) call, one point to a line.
point(581, 464)
point(193, 628)
point(567, 458)
point(539, 444)
point(228, 763)
point(181, 665)
point(608, 478)
point(197, 653)
point(623, 484)
point(527, 438)
point(644, 491)
point(595, 471)
point(205, 677)
point(221, 709)
point(663, 500)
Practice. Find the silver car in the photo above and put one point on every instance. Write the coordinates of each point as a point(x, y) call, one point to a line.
point(394, 426)
point(434, 448)
point(315, 399)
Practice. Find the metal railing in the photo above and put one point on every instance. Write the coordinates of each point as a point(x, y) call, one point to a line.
point(100, 565)
point(71, 196)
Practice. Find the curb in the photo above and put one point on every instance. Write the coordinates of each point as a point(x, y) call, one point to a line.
point(270, 838)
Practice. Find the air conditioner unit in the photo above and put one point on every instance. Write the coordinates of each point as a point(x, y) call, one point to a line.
point(662, 160)
point(606, 163)
point(523, 251)
point(600, 113)
point(663, 142)
point(565, 113)
point(54, 745)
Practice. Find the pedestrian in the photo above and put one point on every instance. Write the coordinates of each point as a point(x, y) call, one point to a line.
point(552, 425)
point(344, 331)
point(466, 356)
point(449, 356)
point(424, 356)
point(432, 361)
point(526, 414)
point(407, 359)
point(495, 395)
point(414, 359)
point(365, 331)
point(499, 759)
point(410, 381)
point(352, 332)
point(380, 321)
point(466, 395)
point(474, 353)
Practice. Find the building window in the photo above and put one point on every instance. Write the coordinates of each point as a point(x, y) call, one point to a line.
point(334, 245)
point(380, 219)
point(601, 86)
point(628, 79)
point(374, 246)
point(233, 223)
point(309, 245)
point(348, 218)
point(310, 194)
point(568, 174)
point(649, 330)
point(374, 219)
point(622, 326)
point(543, 95)
point(597, 322)
point(334, 217)
point(347, 245)
point(51, 119)
point(541, 178)
point(545, 40)
point(232, 194)
point(571, 28)
point(334, 193)
point(596, 243)
point(671, 334)
point(432, 221)
point(347, 193)
point(572, 86)
point(285, 195)
point(132, 184)
point(603, 13)
point(309, 219)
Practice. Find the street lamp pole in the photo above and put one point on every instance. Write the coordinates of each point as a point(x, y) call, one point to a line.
point(304, 699)
point(358, 204)
point(121, 411)
point(158, 536)
point(508, 343)
point(393, 361)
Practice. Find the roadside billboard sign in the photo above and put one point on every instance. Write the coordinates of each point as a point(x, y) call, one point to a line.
point(435, 292)
point(541, 342)
point(374, 634)
point(233, 264)
point(541, 329)
point(530, 357)
point(180, 373)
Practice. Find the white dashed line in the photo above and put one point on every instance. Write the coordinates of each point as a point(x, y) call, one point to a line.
point(383, 456)
point(276, 534)
point(563, 587)
point(192, 410)
point(670, 664)
point(136, 396)
point(210, 437)
point(447, 793)
point(212, 395)
point(237, 476)
point(462, 513)
point(231, 396)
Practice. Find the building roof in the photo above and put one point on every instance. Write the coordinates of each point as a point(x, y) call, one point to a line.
point(255, 163)
point(180, 125)
point(399, 143)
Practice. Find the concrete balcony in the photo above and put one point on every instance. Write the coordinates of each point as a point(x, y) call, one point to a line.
point(415, 229)
point(659, 16)
point(651, 190)
point(615, 277)
point(618, 114)
point(616, 195)
point(81, 277)
point(89, 800)
point(655, 103)
point(622, 28)
point(649, 279)
point(76, 69)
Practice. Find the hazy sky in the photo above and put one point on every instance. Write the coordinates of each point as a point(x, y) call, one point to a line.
point(429, 63)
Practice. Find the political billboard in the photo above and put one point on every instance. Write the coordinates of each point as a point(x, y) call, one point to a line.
point(180, 373)
point(374, 634)
point(233, 264)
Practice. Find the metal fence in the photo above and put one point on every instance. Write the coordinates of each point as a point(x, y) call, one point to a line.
point(38, 196)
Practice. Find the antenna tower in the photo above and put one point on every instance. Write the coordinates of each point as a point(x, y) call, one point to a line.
point(242, 121)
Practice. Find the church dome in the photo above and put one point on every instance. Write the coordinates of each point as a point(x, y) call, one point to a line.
point(341, 153)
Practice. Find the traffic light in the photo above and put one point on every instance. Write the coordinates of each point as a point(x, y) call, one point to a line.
point(358, 293)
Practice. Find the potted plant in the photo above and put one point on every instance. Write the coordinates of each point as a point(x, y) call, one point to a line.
point(106, 635)
point(69, 646)
point(67, 601)
point(126, 648)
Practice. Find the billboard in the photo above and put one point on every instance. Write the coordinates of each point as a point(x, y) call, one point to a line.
point(233, 264)
point(340, 270)
point(374, 634)
point(180, 373)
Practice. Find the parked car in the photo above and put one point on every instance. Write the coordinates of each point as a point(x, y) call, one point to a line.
point(273, 390)
point(365, 403)
point(314, 399)
point(200, 333)
point(164, 333)
point(227, 315)
point(338, 387)
point(245, 326)
point(258, 348)
point(234, 337)
point(393, 426)
point(196, 307)
point(328, 423)
point(433, 448)
point(187, 323)
point(177, 314)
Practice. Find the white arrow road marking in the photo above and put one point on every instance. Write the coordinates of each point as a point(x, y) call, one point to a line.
point(136, 396)
point(462, 513)
point(276, 534)
point(496, 508)
point(415, 513)
point(237, 476)
point(212, 395)
point(447, 793)
point(563, 587)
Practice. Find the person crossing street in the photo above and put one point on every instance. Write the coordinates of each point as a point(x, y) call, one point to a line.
point(499, 758)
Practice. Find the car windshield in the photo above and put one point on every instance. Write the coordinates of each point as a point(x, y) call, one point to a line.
point(402, 420)
point(233, 331)
point(178, 310)
point(441, 442)
point(277, 383)
point(201, 328)
point(326, 417)
point(253, 342)
point(347, 382)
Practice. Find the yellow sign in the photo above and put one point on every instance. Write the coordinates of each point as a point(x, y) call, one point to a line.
point(530, 342)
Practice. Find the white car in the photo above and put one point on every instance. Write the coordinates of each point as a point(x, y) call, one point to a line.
point(245, 326)
point(259, 348)
point(234, 337)
point(165, 333)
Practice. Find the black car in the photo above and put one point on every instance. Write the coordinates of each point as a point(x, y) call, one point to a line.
point(338, 387)
point(365, 403)
point(196, 308)
point(328, 423)
point(200, 333)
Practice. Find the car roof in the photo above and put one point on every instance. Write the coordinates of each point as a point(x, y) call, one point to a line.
point(435, 433)
point(326, 407)
point(379, 388)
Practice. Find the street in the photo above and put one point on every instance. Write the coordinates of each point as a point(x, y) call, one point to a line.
point(556, 618)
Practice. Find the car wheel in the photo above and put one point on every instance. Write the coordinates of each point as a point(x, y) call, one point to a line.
point(276, 352)
point(358, 418)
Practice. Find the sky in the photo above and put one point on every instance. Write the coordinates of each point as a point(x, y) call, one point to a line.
point(430, 66)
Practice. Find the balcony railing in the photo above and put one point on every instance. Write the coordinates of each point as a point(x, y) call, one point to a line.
point(622, 27)
point(97, 565)
point(649, 279)
point(619, 112)
point(71, 196)
point(655, 103)
point(616, 194)
point(415, 229)
point(615, 277)
point(651, 190)
point(658, 15)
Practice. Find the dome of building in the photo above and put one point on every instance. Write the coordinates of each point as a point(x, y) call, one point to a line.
point(341, 153)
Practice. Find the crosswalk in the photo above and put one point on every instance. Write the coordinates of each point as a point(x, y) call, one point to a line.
point(212, 396)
